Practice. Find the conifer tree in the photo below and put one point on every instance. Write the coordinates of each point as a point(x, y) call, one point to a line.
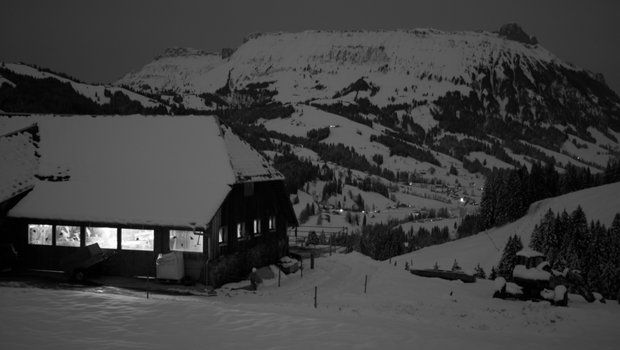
point(555, 241)
point(576, 240)
point(542, 233)
point(597, 256)
point(456, 266)
point(610, 273)
point(479, 272)
point(493, 274)
point(509, 256)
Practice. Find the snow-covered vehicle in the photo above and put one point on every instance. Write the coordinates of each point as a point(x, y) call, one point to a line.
point(533, 278)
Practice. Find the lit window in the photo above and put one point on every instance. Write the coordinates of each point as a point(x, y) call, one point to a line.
point(105, 236)
point(40, 234)
point(272, 223)
point(68, 236)
point(241, 230)
point(132, 239)
point(186, 241)
point(257, 226)
point(222, 235)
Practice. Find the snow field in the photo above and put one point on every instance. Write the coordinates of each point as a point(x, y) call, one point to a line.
point(398, 311)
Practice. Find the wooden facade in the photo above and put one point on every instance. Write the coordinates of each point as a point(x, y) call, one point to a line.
point(224, 259)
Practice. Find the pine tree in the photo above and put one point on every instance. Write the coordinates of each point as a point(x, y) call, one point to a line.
point(542, 233)
point(493, 274)
point(479, 272)
point(555, 241)
point(598, 253)
point(610, 273)
point(509, 256)
point(576, 240)
point(312, 238)
point(456, 266)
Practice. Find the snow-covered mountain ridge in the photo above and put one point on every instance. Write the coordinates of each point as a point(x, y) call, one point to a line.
point(430, 73)
point(298, 62)
point(172, 72)
point(498, 84)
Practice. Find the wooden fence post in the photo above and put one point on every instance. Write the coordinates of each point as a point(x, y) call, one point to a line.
point(315, 291)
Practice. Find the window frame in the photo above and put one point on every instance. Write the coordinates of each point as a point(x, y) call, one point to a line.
point(222, 235)
point(79, 236)
point(197, 233)
point(272, 223)
point(241, 231)
point(123, 240)
point(256, 226)
point(51, 237)
point(116, 236)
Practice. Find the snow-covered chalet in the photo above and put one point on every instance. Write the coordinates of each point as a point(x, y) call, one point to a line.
point(140, 186)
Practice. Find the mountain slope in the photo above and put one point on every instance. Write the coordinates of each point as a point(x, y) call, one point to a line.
point(25, 88)
point(174, 73)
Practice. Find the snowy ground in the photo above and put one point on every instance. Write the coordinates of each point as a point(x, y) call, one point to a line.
point(398, 311)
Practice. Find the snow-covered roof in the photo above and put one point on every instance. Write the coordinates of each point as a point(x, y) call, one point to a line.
point(520, 271)
point(529, 253)
point(18, 156)
point(246, 165)
point(163, 170)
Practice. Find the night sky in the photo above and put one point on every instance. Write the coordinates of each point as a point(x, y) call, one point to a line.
point(99, 41)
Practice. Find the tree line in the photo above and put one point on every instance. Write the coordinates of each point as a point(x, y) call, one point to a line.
point(382, 241)
point(568, 241)
point(508, 193)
